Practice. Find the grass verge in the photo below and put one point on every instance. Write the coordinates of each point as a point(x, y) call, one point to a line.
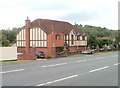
point(17, 61)
point(106, 52)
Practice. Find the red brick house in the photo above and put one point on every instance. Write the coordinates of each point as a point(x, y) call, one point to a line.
point(49, 36)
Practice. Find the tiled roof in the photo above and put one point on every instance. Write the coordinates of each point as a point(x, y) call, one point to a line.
point(50, 26)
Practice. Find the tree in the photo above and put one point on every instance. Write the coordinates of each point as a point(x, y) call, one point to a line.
point(104, 41)
point(92, 42)
point(5, 41)
point(100, 43)
point(12, 35)
point(8, 36)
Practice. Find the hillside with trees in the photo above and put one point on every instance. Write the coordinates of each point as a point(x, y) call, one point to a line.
point(98, 36)
point(98, 31)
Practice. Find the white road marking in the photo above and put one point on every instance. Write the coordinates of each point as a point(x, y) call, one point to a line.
point(88, 55)
point(99, 58)
point(12, 71)
point(81, 61)
point(50, 82)
point(99, 69)
point(114, 56)
point(64, 58)
point(78, 61)
point(54, 65)
point(116, 63)
point(90, 59)
point(61, 63)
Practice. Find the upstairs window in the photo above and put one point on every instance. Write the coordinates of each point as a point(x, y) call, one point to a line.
point(72, 39)
point(57, 37)
point(83, 37)
point(78, 37)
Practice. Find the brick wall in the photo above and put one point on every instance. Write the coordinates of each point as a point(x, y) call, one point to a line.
point(21, 50)
point(47, 52)
point(52, 42)
point(25, 57)
point(74, 49)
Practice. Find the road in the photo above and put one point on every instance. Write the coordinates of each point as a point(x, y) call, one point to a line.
point(89, 70)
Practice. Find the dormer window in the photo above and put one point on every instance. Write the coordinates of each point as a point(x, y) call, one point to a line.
point(57, 37)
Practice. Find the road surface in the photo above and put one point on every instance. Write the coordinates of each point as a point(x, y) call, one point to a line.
point(89, 70)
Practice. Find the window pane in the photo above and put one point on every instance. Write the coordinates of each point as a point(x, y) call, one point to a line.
point(57, 37)
point(78, 37)
point(83, 37)
point(72, 39)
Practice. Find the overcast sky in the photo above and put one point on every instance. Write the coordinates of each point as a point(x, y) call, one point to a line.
point(102, 13)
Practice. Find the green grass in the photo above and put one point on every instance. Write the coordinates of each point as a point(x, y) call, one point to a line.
point(17, 61)
point(106, 52)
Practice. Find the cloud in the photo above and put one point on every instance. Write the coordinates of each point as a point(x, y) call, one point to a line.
point(93, 12)
point(80, 16)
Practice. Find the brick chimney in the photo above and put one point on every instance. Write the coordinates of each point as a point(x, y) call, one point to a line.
point(27, 32)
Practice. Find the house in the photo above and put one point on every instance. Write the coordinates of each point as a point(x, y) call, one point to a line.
point(50, 37)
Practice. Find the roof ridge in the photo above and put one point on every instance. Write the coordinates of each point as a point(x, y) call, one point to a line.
point(51, 20)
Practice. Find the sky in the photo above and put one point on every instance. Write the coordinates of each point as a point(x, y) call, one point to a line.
point(103, 13)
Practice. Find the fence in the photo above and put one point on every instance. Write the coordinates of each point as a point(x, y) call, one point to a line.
point(8, 53)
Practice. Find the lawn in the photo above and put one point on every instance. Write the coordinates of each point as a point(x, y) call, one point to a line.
point(17, 61)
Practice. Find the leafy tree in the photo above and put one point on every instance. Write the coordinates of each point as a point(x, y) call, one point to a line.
point(8, 36)
point(5, 41)
point(100, 43)
point(104, 41)
point(92, 42)
point(12, 35)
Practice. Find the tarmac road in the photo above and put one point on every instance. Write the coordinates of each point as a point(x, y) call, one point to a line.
point(89, 70)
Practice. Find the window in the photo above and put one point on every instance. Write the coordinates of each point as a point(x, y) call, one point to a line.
point(78, 37)
point(83, 37)
point(72, 39)
point(65, 37)
point(57, 37)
